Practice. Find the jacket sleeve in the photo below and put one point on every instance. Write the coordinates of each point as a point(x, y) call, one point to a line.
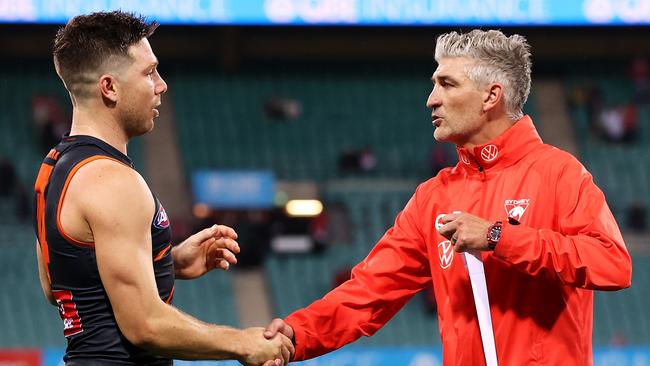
point(587, 250)
point(396, 269)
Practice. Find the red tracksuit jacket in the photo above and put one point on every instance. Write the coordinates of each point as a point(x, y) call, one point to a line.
point(540, 277)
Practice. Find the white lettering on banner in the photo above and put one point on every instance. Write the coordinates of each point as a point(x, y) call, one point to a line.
point(183, 10)
point(212, 10)
point(311, 11)
point(279, 11)
point(598, 11)
point(13, 10)
point(426, 11)
point(329, 11)
point(634, 11)
point(605, 11)
point(396, 10)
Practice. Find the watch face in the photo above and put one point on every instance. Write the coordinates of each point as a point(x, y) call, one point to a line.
point(495, 232)
point(493, 235)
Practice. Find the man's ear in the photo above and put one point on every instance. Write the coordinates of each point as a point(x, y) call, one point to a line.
point(108, 88)
point(493, 96)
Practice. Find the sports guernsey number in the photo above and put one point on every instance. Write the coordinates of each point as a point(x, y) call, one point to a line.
point(68, 312)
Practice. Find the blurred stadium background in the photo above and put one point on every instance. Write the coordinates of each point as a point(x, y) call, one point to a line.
point(272, 101)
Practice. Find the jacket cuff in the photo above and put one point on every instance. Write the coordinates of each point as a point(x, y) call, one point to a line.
point(514, 239)
point(298, 338)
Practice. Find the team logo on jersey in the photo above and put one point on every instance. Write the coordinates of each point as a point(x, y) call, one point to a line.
point(489, 153)
point(516, 208)
point(463, 157)
point(445, 254)
point(161, 221)
point(439, 221)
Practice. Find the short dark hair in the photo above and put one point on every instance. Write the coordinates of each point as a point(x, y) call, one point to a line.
point(86, 42)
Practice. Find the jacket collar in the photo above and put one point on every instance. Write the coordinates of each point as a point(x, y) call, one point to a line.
point(505, 150)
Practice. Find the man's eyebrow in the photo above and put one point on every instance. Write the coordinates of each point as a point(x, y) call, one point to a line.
point(153, 64)
point(442, 77)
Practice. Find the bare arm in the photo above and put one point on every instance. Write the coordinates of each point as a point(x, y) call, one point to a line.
point(116, 203)
point(42, 276)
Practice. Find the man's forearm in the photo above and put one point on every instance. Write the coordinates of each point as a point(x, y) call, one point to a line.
point(172, 333)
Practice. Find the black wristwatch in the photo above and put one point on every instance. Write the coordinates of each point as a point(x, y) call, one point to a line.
point(494, 234)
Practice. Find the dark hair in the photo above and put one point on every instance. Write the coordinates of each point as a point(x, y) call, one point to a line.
point(83, 45)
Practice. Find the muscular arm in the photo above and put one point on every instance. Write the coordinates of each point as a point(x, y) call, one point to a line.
point(42, 276)
point(116, 203)
point(588, 250)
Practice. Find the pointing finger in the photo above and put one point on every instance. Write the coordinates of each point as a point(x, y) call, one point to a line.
point(449, 218)
point(448, 230)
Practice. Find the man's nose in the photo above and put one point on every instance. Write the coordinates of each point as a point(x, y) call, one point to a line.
point(434, 100)
point(161, 88)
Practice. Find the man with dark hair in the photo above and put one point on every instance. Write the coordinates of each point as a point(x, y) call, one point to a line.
point(104, 251)
point(523, 215)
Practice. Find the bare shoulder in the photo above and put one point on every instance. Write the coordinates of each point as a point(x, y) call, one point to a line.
point(107, 191)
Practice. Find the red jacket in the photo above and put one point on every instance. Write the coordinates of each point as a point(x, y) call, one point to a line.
point(540, 277)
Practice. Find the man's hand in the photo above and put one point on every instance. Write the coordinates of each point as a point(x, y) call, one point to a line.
point(276, 351)
point(278, 326)
point(214, 247)
point(465, 231)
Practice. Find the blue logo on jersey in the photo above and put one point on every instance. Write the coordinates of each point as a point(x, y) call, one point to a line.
point(161, 221)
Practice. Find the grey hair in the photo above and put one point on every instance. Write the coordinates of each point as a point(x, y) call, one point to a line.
point(499, 58)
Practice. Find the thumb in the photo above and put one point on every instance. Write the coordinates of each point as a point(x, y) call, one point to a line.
point(277, 325)
point(204, 234)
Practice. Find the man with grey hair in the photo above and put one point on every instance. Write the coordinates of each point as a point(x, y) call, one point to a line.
point(528, 212)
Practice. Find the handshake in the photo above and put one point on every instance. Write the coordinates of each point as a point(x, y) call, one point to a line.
point(272, 346)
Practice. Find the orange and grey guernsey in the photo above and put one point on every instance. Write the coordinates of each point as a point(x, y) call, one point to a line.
point(89, 324)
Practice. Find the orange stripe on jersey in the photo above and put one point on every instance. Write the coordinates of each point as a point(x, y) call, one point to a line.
point(162, 253)
point(63, 191)
point(53, 154)
point(171, 295)
point(42, 180)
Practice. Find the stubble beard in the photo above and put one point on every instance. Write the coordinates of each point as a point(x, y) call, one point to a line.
point(136, 123)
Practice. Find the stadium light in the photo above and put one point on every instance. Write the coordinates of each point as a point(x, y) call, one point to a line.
point(303, 208)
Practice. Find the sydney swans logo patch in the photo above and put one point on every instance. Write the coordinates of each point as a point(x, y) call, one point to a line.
point(161, 221)
point(516, 208)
